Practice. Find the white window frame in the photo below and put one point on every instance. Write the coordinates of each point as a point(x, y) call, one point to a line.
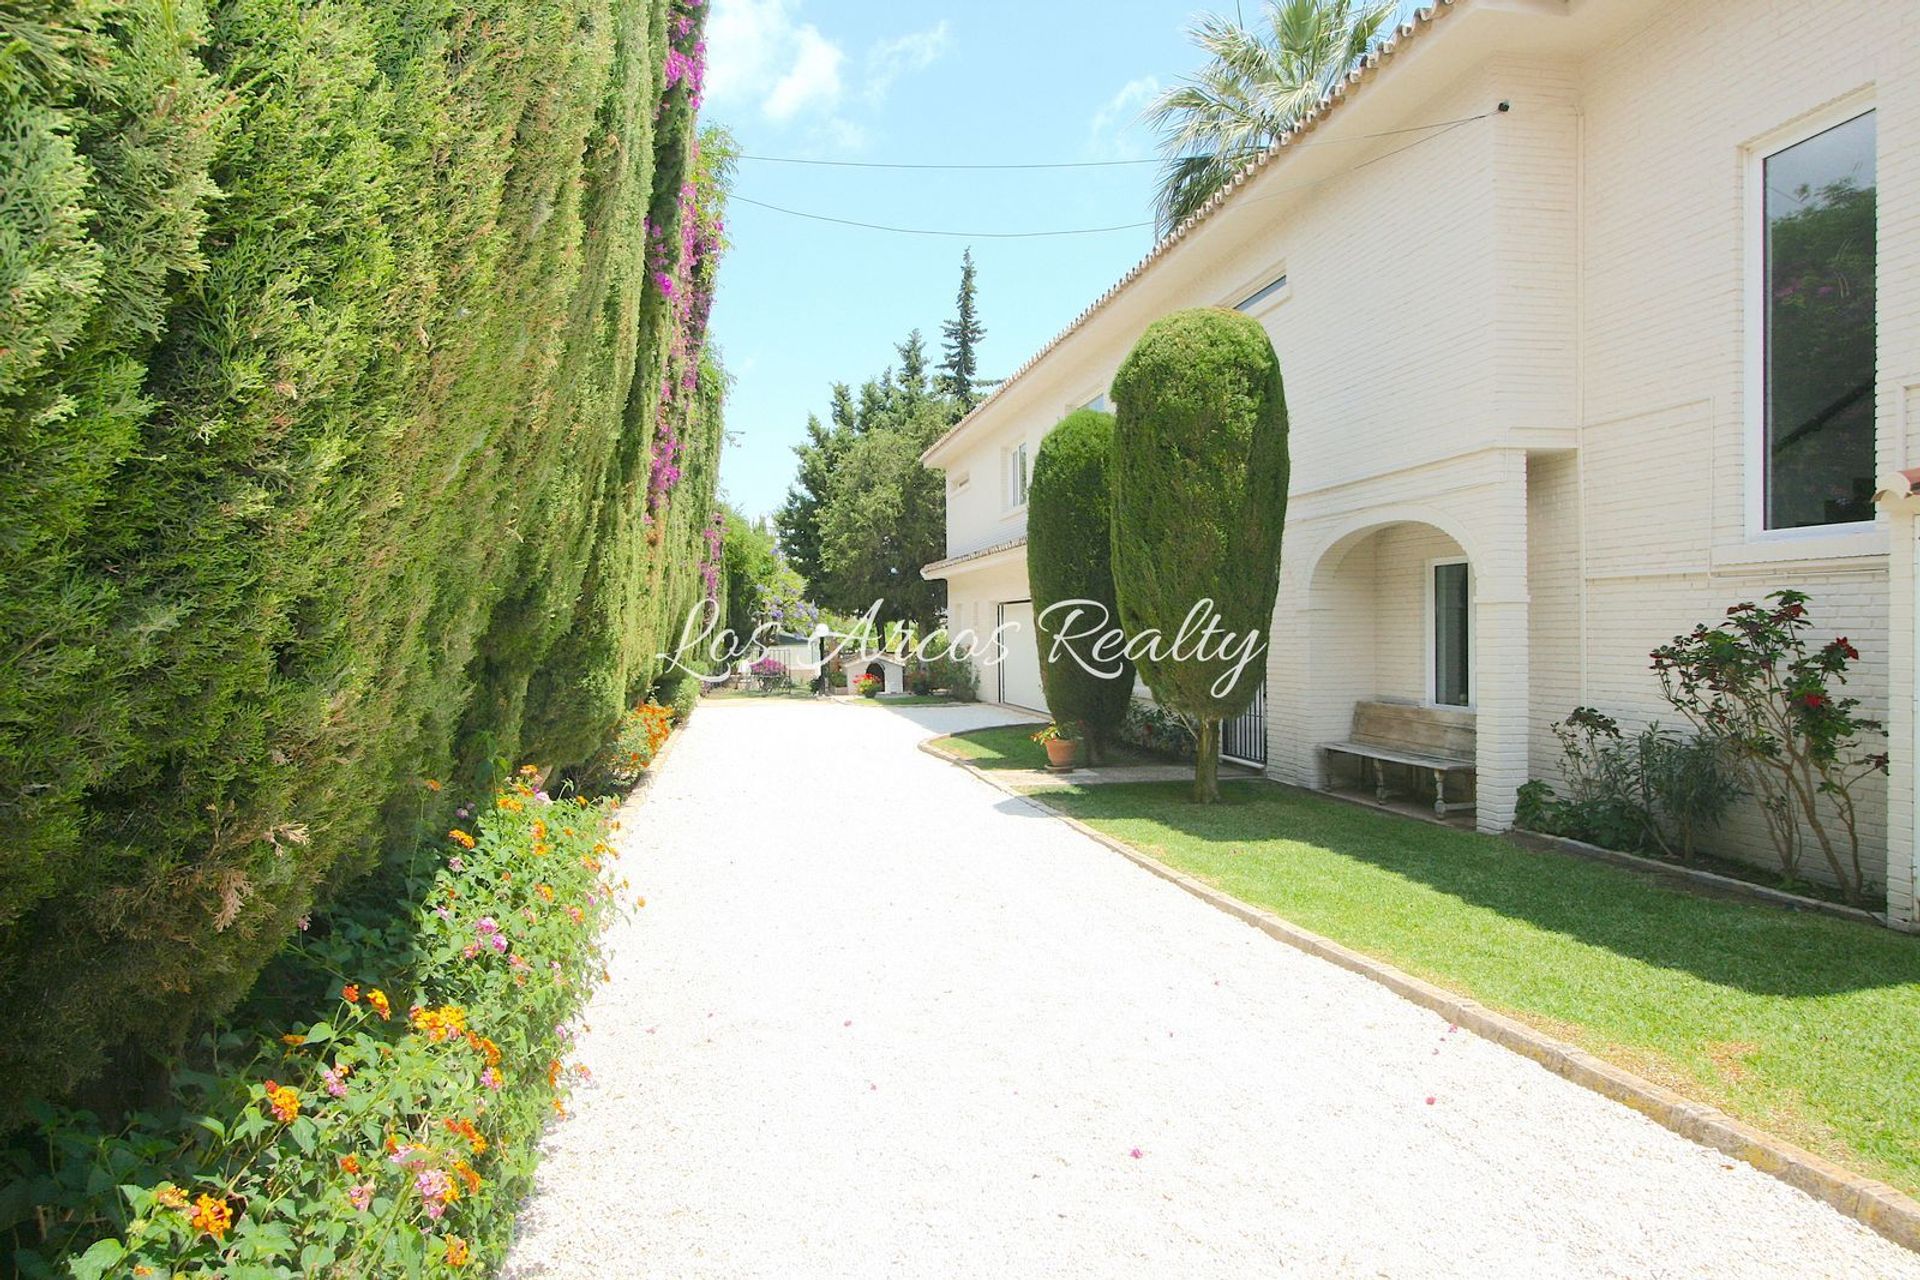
point(1016, 471)
point(1247, 300)
point(1754, 378)
point(1432, 644)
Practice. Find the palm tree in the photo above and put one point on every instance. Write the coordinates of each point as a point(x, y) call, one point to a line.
point(1255, 85)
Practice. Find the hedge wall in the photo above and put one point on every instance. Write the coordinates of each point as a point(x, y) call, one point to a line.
point(339, 344)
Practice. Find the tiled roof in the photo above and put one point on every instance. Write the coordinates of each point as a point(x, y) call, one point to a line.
point(1366, 69)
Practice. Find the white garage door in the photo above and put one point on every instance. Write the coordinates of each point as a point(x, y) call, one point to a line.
point(1020, 669)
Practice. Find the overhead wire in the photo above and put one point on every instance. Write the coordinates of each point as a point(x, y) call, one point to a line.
point(1439, 129)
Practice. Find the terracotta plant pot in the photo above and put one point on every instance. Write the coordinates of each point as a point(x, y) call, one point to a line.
point(1062, 753)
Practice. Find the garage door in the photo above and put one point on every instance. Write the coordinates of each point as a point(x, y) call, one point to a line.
point(1020, 669)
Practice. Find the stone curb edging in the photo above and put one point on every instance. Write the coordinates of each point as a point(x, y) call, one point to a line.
point(1873, 1203)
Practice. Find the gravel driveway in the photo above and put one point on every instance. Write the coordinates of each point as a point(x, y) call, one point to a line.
point(878, 1019)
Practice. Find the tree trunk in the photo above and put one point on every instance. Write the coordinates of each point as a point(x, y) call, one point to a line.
point(1206, 767)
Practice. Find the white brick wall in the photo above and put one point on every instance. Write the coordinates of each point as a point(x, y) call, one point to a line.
point(1528, 335)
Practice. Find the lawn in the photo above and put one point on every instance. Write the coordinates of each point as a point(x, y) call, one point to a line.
point(1011, 746)
point(1008, 746)
point(1803, 1025)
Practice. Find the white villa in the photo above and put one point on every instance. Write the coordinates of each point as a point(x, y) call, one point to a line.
point(1557, 394)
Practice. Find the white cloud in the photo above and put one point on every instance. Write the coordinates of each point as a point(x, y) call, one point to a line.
point(812, 81)
point(1115, 132)
point(888, 60)
point(763, 57)
point(760, 54)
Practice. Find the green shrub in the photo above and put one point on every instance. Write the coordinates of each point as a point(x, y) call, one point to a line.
point(1656, 790)
point(399, 1119)
point(1070, 557)
point(1199, 505)
point(1152, 727)
point(956, 676)
point(679, 692)
point(335, 482)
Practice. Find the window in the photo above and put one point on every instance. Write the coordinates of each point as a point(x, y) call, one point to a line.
point(1099, 404)
point(1017, 475)
point(1450, 622)
point(1273, 291)
point(1818, 228)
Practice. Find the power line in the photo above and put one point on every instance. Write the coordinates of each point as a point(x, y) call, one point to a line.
point(923, 231)
point(1443, 129)
point(1085, 164)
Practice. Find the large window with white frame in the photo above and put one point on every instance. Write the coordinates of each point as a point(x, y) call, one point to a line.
point(1017, 476)
point(1450, 633)
point(1816, 233)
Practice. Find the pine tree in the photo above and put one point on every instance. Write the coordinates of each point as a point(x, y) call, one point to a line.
point(963, 334)
point(913, 366)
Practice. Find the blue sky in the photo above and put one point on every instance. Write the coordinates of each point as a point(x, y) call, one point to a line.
point(804, 304)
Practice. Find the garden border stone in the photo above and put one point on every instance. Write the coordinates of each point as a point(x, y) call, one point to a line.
point(1866, 1200)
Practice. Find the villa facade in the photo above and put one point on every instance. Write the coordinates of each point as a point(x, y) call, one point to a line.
point(1596, 317)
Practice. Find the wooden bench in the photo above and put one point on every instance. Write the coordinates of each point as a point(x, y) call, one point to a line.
point(1437, 740)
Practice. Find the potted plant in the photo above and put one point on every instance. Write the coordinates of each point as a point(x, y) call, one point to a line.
point(1063, 748)
point(869, 686)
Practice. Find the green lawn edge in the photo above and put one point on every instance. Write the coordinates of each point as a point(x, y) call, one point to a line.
point(1801, 1024)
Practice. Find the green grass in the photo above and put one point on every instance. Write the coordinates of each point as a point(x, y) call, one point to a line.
point(1801, 1024)
point(1008, 746)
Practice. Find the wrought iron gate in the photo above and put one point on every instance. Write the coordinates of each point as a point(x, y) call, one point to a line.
point(1243, 739)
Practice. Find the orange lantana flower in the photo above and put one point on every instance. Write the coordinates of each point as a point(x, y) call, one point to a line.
point(212, 1216)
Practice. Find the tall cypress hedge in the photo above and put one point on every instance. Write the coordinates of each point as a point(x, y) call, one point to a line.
point(1070, 557)
point(1200, 466)
point(334, 358)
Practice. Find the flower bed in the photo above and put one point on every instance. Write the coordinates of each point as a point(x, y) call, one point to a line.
point(395, 1133)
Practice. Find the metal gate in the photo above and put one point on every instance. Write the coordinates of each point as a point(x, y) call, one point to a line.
point(1243, 739)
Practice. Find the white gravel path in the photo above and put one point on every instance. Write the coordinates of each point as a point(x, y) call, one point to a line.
point(878, 1019)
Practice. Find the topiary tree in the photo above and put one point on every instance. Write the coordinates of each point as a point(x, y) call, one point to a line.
point(1199, 505)
point(1070, 557)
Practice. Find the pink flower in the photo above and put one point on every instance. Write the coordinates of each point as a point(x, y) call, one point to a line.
point(469, 951)
point(490, 1078)
point(456, 864)
point(435, 1188)
point(361, 1196)
point(336, 1082)
point(1136, 1153)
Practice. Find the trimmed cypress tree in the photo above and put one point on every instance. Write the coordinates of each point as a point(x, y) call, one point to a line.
point(1070, 557)
point(317, 381)
point(1199, 505)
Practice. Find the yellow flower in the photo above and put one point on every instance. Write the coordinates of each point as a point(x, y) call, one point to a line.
point(378, 999)
point(432, 784)
point(293, 1040)
point(283, 1102)
point(212, 1216)
point(170, 1196)
point(458, 1252)
point(441, 1024)
point(460, 838)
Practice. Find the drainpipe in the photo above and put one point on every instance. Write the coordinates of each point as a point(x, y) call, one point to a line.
point(1898, 494)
